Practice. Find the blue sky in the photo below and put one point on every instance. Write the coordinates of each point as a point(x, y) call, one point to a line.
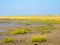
point(29, 7)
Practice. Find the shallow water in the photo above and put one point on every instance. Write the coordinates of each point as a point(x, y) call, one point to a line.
point(23, 24)
point(2, 30)
point(1, 37)
point(12, 24)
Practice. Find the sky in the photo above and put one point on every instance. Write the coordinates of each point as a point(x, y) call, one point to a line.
point(29, 7)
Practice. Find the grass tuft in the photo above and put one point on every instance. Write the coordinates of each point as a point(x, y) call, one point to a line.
point(19, 32)
point(39, 38)
point(8, 40)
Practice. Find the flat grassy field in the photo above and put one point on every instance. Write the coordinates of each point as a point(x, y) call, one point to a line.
point(30, 30)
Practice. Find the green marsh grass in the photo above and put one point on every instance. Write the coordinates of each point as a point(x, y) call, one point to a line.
point(39, 38)
point(45, 29)
point(19, 32)
point(8, 40)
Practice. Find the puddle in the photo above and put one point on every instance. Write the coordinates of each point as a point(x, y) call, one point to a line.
point(1, 37)
point(2, 30)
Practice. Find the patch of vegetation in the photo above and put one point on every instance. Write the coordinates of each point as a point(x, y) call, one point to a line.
point(0, 34)
point(8, 40)
point(19, 32)
point(39, 38)
point(54, 21)
point(44, 21)
point(44, 29)
point(1, 22)
point(4, 22)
